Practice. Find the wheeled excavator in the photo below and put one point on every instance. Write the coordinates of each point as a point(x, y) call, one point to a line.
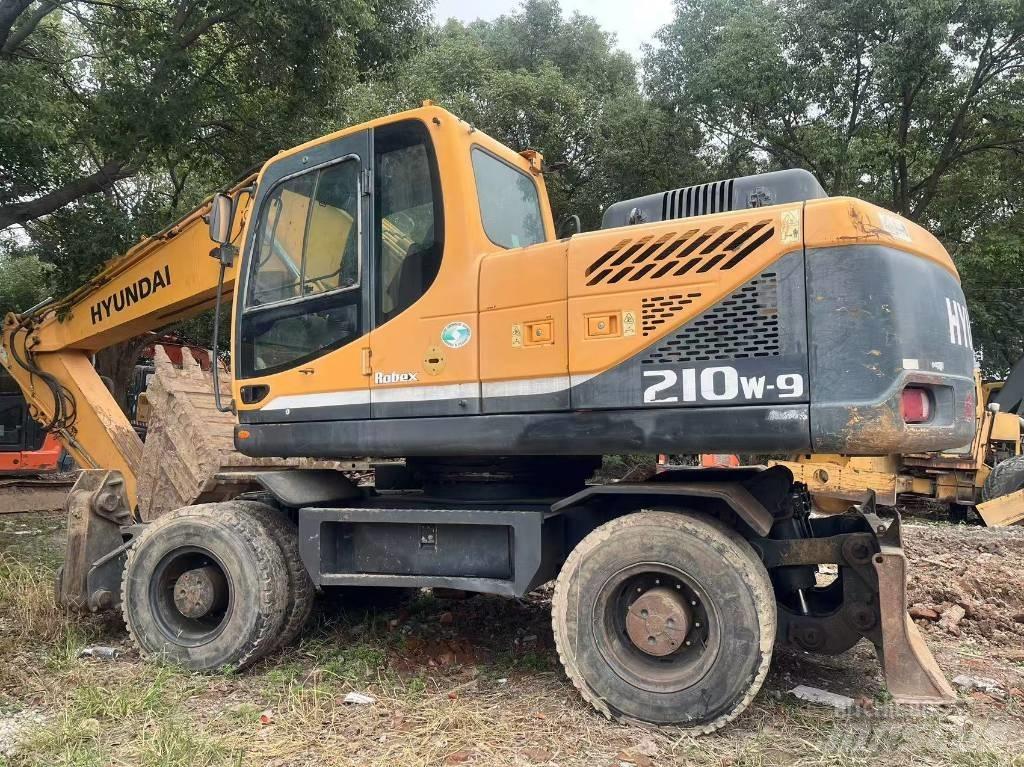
point(398, 290)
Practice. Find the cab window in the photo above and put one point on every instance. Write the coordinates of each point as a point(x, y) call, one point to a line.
point(409, 222)
point(509, 202)
point(303, 295)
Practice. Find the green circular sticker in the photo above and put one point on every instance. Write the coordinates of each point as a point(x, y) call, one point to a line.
point(455, 335)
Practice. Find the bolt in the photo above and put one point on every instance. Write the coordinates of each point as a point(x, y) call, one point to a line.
point(696, 625)
point(689, 643)
point(693, 603)
point(643, 613)
point(651, 640)
point(670, 622)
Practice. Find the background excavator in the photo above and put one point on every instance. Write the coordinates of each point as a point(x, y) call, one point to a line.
point(986, 474)
point(398, 290)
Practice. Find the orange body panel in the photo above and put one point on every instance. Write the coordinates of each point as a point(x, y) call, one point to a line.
point(849, 221)
point(523, 314)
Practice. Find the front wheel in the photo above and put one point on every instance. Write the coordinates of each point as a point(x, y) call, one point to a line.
point(664, 618)
point(205, 587)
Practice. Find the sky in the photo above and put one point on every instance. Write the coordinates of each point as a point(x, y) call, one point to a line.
point(633, 22)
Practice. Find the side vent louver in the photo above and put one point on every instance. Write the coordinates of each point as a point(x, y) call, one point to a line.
point(678, 253)
point(657, 310)
point(742, 326)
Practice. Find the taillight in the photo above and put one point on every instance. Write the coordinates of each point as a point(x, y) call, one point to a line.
point(916, 405)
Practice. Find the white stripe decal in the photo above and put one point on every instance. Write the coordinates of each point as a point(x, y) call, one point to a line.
point(324, 399)
point(525, 386)
point(513, 388)
point(426, 393)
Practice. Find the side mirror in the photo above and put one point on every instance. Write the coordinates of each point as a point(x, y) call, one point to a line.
point(221, 209)
point(568, 226)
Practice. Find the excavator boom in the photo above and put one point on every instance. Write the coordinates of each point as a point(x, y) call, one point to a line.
point(165, 278)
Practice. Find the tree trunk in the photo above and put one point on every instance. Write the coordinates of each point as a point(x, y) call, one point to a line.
point(117, 364)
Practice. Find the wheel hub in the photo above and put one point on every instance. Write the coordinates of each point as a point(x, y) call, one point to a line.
point(658, 621)
point(201, 591)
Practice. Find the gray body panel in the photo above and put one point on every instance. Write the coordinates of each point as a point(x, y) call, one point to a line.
point(879, 321)
point(775, 188)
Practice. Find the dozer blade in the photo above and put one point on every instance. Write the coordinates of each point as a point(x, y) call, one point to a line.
point(911, 673)
point(189, 455)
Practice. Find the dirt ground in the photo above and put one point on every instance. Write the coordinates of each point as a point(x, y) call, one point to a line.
point(477, 682)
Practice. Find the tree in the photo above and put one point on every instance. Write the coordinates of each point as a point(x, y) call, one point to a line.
point(538, 79)
point(121, 115)
point(100, 92)
point(916, 105)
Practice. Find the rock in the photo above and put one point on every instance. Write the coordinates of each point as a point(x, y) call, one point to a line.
point(951, 617)
point(627, 759)
point(12, 729)
point(968, 683)
point(446, 618)
point(1019, 618)
point(359, 699)
point(457, 757)
point(267, 717)
point(920, 612)
point(537, 755)
point(647, 747)
point(821, 697)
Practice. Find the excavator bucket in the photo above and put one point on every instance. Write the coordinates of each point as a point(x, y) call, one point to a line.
point(189, 455)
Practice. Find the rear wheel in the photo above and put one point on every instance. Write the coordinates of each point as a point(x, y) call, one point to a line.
point(1007, 477)
point(665, 618)
point(301, 592)
point(203, 588)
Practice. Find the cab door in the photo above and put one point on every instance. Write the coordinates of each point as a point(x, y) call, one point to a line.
point(300, 342)
point(423, 348)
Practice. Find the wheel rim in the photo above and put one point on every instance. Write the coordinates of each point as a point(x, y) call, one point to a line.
point(680, 616)
point(191, 596)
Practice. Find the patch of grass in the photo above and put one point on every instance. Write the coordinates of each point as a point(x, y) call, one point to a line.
point(27, 596)
point(65, 742)
point(174, 743)
point(131, 697)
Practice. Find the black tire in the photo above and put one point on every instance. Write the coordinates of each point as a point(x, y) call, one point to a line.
point(224, 537)
point(1007, 477)
point(701, 686)
point(301, 592)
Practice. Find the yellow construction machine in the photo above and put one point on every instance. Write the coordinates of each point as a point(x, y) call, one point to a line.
point(986, 474)
point(398, 290)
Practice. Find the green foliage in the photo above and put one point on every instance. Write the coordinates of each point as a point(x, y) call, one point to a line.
point(914, 105)
point(23, 282)
point(535, 79)
point(120, 116)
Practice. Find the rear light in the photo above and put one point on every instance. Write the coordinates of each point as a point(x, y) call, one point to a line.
point(916, 405)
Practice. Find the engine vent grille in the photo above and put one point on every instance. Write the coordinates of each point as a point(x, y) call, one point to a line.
point(657, 310)
point(677, 253)
point(744, 325)
point(698, 200)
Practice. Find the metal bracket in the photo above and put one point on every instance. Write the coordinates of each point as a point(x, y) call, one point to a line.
point(98, 512)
